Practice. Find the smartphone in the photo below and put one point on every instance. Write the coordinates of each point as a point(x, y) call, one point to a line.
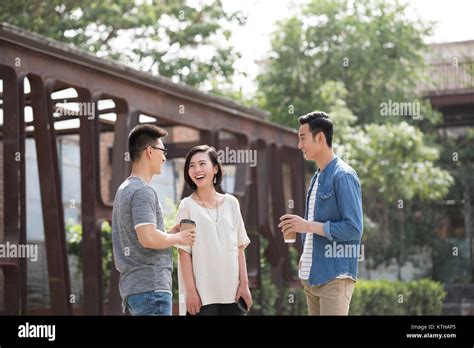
point(242, 305)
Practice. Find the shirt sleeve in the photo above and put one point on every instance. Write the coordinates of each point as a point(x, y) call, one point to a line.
point(349, 198)
point(183, 213)
point(144, 207)
point(243, 239)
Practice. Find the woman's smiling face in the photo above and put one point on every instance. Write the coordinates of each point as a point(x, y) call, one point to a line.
point(201, 171)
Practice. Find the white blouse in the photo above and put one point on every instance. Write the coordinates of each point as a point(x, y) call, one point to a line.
point(215, 253)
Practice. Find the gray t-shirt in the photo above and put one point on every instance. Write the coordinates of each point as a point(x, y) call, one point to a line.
point(141, 269)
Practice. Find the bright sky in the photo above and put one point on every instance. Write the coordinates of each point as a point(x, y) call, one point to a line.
point(455, 22)
point(454, 18)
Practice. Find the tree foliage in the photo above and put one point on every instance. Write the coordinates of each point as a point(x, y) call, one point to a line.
point(171, 38)
point(369, 46)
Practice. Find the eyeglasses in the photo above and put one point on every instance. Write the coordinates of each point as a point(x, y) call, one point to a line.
point(165, 151)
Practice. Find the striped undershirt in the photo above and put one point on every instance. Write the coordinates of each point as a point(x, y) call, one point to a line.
point(307, 255)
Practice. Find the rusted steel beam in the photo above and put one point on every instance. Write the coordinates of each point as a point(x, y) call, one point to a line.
point(121, 165)
point(41, 44)
point(91, 235)
point(265, 184)
point(263, 178)
point(121, 161)
point(22, 140)
point(295, 160)
point(210, 137)
point(65, 100)
point(252, 252)
point(53, 216)
point(14, 210)
point(179, 150)
point(242, 172)
point(153, 96)
point(136, 93)
point(251, 218)
point(106, 111)
point(280, 265)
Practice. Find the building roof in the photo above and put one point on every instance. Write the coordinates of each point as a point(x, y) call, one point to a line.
point(447, 51)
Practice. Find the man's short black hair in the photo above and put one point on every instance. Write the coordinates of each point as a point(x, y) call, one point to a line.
point(141, 137)
point(318, 121)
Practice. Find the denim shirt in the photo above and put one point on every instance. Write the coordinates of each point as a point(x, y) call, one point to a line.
point(338, 206)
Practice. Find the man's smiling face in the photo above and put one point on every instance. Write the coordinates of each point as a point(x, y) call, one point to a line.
point(307, 143)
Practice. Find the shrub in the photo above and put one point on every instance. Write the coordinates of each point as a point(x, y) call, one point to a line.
point(383, 297)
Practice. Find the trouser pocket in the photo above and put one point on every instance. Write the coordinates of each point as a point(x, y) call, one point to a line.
point(349, 285)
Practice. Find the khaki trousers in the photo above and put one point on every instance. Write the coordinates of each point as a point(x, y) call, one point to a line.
point(331, 298)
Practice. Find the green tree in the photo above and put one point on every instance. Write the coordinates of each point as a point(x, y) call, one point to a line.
point(398, 170)
point(161, 37)
point(349, 58)
point(369, 45)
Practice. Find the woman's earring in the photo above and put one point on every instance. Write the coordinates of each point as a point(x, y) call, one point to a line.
point(215, 179)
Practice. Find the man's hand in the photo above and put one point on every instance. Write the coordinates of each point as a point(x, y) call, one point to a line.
point(193, 302)
point(187, 237)
point(293, 223)
point(244, 292)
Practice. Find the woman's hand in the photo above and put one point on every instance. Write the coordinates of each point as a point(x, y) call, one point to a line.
point(174, 229)
point(244, 292)
point(193, 302)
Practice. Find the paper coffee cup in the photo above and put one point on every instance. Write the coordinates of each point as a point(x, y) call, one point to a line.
point(186, 224)
point(290, 237)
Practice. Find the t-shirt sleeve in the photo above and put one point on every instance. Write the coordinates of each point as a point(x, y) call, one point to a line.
point(243, 239)
point(183, 213)
point(144, 207)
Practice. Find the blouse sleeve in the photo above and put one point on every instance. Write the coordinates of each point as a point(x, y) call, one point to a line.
point(243, 239)
point(183, 213)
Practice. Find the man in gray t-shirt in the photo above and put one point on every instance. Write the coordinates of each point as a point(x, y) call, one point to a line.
point(142, 248)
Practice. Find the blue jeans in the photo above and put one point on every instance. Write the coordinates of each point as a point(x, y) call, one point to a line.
point(150, 303)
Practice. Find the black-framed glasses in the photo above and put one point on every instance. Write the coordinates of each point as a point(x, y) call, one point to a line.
point(165, 151)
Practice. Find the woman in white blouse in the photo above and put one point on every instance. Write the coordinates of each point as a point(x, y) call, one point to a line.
point(212, 274)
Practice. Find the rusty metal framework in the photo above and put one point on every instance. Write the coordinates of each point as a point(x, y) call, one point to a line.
point(50, 66)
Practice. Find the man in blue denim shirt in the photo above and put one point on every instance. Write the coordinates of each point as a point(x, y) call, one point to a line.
point(332, 227)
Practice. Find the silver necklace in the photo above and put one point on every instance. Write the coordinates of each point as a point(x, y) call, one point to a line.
point(217, 210)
